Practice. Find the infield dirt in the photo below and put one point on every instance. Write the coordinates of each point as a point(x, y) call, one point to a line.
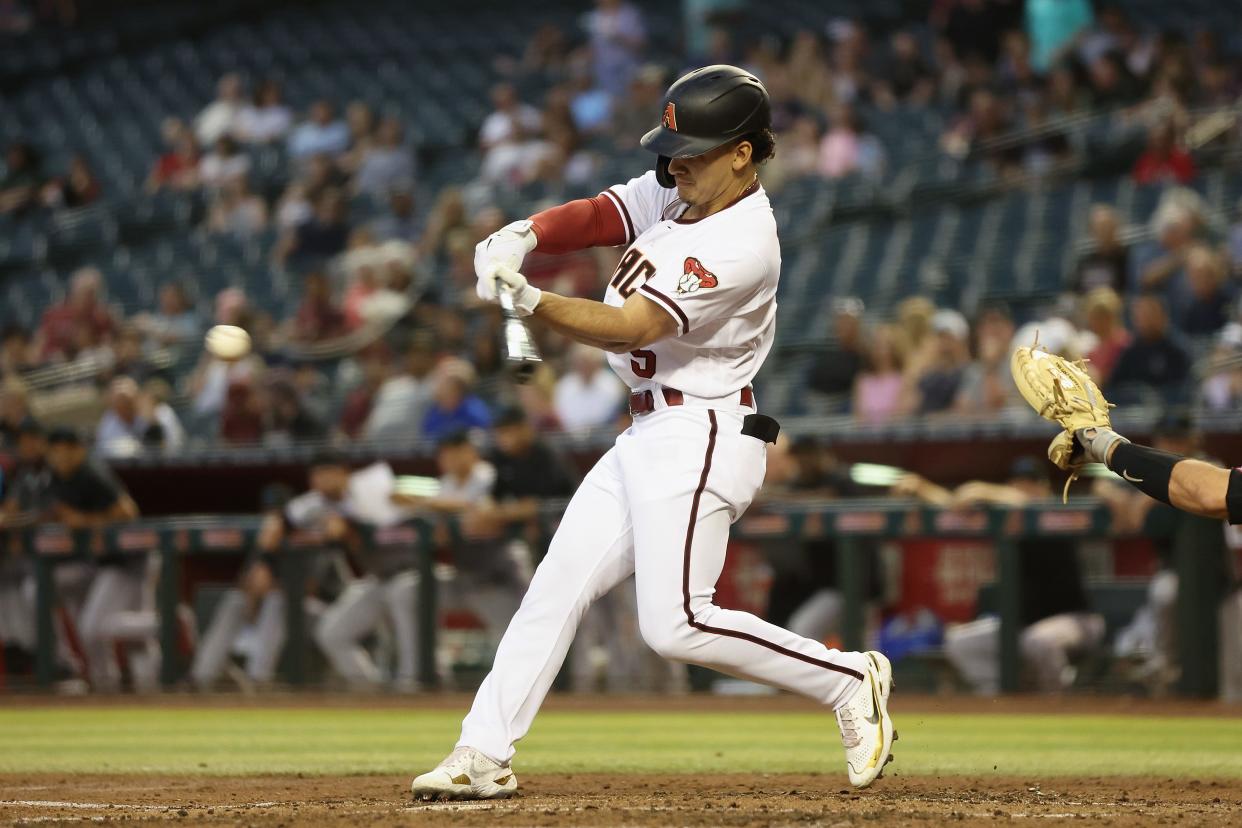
point(631, 800)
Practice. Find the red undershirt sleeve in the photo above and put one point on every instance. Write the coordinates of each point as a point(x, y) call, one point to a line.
point(579, 224)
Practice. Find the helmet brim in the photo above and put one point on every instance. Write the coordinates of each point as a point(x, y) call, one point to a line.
point(666, 142)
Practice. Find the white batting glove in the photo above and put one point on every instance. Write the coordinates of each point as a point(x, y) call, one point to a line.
point(506, 247)
point(525, 295)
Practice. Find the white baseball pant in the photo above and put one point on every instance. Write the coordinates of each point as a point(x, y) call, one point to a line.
point(657, 505)
point(119, 608)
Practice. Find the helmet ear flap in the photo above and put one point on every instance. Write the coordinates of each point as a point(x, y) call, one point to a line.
point(662, 173)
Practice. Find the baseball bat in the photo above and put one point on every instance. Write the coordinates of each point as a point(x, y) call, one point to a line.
point(521, 353)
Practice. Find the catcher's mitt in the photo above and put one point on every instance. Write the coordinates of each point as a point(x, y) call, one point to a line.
point(1059, 390)
point(1063, 392)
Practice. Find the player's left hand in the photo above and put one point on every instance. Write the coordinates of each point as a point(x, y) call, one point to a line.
point(525, 295)
point(508, 246)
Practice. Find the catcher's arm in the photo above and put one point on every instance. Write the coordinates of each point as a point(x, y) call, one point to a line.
point(1182, 482)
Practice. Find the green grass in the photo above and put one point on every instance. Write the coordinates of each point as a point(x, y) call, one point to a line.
point(360, 741)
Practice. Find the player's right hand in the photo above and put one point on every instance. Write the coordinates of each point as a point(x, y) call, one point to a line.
point(507, 247)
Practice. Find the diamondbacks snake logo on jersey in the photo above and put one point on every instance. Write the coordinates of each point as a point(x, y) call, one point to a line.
point(694, 276)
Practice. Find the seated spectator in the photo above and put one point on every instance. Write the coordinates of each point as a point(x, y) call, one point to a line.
point(164, 431)
point(288, 418)
point(14, 410)
point(82, 313)
point(1207, 307)
point(938, 382)
point(77, 188)
point(1174, 227)
point(16, 352)
point(174, 322)
point(846, 149)
point(241, 413)
point(128, 359)
point(1058, 624)
point(617, 36)
point(880, 387)
point(589, 394)
point(266, 119)
point(360, 400)
point(836, 368)
point(121, 429)
point(317, 318)
point(320, 133)
point(454, 405)
point(177, 168)
point(799, 154)
point(363, 268)
point(220, 117)
point(1154, 360)
point(387, 164)
point(226, 162)
point(360, 120)
point(1107, 264)
point(1164, 161)
point(987, 385)
point(1222, 390)
point(399, 222)
point(236, 211)
point(904, 76)
point(294, 207)
point(1101, 312)
point(986, 117)
point(22, 181)
point(505, 133)
point(210, 383)
point(312, 243)
point(402, 401)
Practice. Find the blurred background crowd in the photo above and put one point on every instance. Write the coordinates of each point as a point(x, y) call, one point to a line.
point(952, 178)
point(338, 228)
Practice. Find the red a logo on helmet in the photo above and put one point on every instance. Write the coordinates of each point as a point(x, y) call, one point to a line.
point(670, 116)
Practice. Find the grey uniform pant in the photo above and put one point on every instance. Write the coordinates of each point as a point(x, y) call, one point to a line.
point(370, 601)
point(1046, 645)
point(230, 617)
point(120, 608)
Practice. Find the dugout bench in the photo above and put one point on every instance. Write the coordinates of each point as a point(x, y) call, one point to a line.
point(855, 524)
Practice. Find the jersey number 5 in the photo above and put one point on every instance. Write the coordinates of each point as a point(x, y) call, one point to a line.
point(647, 367)
point(631, 272)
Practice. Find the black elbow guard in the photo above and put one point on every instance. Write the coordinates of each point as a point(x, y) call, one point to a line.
point(1147, 469)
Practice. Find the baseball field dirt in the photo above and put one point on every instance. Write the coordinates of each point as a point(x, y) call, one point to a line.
point(617, 762)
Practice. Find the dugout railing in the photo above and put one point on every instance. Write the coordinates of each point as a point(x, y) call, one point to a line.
point(855, 525)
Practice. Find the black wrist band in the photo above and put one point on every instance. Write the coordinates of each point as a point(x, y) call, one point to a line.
point(1148, 469)
point(1233, 496)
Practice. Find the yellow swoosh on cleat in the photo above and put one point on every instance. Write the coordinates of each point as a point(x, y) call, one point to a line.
point(461, 779)
point(504, 780)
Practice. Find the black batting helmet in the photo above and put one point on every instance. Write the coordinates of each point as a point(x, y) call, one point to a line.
point(705, 109)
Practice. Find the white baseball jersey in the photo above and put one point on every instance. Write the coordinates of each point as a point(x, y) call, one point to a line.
point(715, 276)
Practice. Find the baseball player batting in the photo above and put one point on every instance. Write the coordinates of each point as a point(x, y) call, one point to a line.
point(687, 319)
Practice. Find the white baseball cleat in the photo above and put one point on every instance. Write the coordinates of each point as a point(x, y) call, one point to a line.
point(866, 729)
point(466, 774)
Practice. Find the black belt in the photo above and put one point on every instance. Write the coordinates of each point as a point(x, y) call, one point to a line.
point(760, 426)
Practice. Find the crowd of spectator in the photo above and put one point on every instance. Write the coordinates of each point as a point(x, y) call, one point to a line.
point(382, 270)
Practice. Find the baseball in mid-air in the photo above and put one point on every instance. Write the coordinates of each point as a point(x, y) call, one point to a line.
point(228, 342)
